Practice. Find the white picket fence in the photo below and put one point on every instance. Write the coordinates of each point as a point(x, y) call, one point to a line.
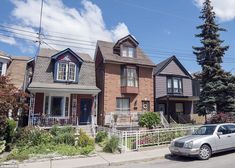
point(135, 140)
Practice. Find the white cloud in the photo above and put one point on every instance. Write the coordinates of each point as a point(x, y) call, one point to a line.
point(85, 24)
point(9, 40)
point(224, 9)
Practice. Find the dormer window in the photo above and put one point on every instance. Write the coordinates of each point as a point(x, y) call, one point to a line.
point(128, 52)
point(66, 71)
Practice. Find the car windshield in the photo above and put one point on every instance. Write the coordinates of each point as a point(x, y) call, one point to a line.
point(205, 130)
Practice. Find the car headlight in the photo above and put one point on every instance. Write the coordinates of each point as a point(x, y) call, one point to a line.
point(188, 145)
point(172, 143)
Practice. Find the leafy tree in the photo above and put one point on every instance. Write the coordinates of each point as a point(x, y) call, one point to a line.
point(217, 85)
point(11, 98)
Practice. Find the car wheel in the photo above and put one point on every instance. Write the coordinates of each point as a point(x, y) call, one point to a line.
point(204, 152)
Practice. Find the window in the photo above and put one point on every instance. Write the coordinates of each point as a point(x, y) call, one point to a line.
point(123, 104)
point(179, 107)
point(223, 129)
point(128, 52)
point(66, 71)
point(174, 85)
point(231, 128)
point(56, 106)
point(1, 66)
point(129, 77)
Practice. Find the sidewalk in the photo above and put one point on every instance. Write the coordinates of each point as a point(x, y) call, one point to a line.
point(102, 159)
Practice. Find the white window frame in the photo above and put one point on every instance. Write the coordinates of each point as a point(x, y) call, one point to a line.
point(67, 71)
point(127, 51)
point(49, 105)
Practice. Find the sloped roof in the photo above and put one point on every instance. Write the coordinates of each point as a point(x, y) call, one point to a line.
point(43, 73)
point(159, 67)
point(17, 69)
point(4, 55)
point(106, 49)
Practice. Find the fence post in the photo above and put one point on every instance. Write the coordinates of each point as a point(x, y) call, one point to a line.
point(158, 136)
point(137, 140)
point(125, 141)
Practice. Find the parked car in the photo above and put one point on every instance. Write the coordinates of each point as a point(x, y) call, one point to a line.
point(205, 141)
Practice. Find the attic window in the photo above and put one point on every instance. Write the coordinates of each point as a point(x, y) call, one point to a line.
point(128, 52)
point(66, 71)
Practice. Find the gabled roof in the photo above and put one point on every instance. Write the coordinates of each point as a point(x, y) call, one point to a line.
point(129, 37)
point(162, 65)
point(106, 49)
point(5, 55)
point(55, 56)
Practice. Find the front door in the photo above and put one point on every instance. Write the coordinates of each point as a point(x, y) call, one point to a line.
point(85, 111)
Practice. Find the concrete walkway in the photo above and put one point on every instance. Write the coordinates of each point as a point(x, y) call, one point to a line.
point(102, 159)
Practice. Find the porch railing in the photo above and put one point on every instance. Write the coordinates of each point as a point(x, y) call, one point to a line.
point(50, 121)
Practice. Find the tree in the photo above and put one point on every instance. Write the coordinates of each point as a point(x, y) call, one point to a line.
point(12, 99)
point(217, 85)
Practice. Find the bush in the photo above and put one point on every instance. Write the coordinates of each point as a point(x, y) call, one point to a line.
point(2, 146)
point(84, 140)
point(63, 135)
point(149, 120)
point(101, 136)
point(10, 134)
point(221, 118)
point(112, 144)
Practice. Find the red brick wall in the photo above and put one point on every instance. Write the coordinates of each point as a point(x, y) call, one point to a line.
point(112, 88)
point(38, 107)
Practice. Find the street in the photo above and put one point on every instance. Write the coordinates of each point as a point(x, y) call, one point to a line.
point(222, 160)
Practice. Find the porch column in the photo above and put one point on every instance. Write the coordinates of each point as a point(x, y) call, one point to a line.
point(31, 109)
point(167, 109)
point(94, 110)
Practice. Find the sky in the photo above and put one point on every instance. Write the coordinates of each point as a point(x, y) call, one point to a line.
point(162, 27)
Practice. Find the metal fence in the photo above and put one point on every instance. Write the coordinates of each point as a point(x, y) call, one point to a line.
point(135, 140)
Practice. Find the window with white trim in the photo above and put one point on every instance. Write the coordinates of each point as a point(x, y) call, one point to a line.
point(56, 106)
point(129, 77)
point(123, 104)
point(66, 71)
point(128, 52)
point(174, 85)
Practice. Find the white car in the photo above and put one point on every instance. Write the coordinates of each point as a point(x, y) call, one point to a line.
point(205, 141)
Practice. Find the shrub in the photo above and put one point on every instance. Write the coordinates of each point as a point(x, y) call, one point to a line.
point(10, 133)
point(84, 140)
point(149, 120)
point(2, 146)
point(86, 150)
point(112, 144)
point(221, 118)
point(65, 138)
point(101, 136)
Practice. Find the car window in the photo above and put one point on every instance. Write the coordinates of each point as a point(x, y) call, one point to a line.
point(231, 128)
point(205, 130)
point(224, 129)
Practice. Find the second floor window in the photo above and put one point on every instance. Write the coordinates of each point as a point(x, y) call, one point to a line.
point(66, 71)
point(174, 86)
point(128, 52)
point(129, 77)
point(1, 66)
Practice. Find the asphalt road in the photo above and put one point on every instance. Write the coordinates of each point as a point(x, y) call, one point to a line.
point(222, 160)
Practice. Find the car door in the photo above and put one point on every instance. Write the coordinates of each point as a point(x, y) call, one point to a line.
point(231, 128)
point(223, 140)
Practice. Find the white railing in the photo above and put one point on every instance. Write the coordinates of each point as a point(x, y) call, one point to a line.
point(135, 140)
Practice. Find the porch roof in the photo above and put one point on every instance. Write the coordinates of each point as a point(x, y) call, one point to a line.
point(182, 98)
point(61, 87)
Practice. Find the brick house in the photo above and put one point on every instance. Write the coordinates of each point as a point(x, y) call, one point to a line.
point(176, 92)
point(124, 75)
point(62, 87)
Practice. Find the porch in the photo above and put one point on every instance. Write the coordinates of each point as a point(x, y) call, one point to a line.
point(61, 108)
point(177, 108)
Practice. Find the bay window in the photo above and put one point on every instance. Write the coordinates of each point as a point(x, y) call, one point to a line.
point(129, 77)
point(174, 85)
point(66, 71)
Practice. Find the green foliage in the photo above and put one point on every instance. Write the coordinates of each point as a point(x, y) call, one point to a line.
point(86, 150)
point(101, 136)
point(3, 123)
point(84, 140)
point(10, 133)
point(112, 144)
point(217, 85)
point(2, 146)
point(149, 120)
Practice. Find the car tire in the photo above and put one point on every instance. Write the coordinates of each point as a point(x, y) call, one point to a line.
point(204, 152)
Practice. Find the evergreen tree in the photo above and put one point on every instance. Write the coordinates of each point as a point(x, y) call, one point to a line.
point(218, 87)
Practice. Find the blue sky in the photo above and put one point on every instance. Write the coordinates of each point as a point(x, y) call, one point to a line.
point(162, 27)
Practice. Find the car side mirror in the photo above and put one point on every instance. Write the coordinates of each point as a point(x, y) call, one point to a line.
point(219, 133)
